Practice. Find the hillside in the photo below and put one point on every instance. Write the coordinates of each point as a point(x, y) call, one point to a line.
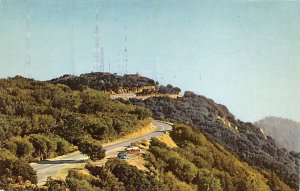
point(245, 140)
point(195, 164)
point(286, 132)
point(40, 120)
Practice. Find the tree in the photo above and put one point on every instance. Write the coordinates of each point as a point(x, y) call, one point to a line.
point(21, 147)
point(40, 144)
point(24, 170)
point(12, 169)
point(56, 185)
point(142, 112)
point(105, 179)
point(206, 181)
point(132, 178)
point(91, 148)
point(71, 128)
point(62, 147)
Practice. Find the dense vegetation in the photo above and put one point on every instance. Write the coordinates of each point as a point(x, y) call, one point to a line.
point(206, 166)
point(39, 120)
point(116, 84)
point(105, 82)
point(168, 89)
point(219, 125)
point(195, 165)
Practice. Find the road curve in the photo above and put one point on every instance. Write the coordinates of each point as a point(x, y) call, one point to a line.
point(50, 167)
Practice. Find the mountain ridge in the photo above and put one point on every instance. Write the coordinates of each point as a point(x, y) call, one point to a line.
point(285, 131)
point(244, 139)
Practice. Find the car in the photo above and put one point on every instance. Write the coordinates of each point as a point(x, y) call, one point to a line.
point(133, 150)
point(122, 156)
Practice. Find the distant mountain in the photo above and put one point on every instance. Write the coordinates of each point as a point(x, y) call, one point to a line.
point(285, 131)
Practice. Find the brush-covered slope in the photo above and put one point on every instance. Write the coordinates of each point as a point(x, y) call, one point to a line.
point(218, 124)
point(195, 164)
point(244, 140)
point(40, 120)
point(113, 83)
point(285, 131)
point(108, 82)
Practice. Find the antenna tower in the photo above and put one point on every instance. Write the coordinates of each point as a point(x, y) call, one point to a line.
point(97, 60)
point(109, 65)
point(125, 52)
point(72, 50)
point(154, 74)
point(72, 64)
point(102, 60)
point(28, 43)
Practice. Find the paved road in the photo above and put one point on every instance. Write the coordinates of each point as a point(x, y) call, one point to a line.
point(51, 167)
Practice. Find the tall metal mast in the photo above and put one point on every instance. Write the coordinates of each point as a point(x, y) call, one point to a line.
point(28, 43)
point(72, 50)
point(154, 74)
point(102, 60)
point(125, 52)
point(72, 64)
point(109, 66)
point(97, 59)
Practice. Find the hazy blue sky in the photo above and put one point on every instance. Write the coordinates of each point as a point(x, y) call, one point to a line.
point(243, 54)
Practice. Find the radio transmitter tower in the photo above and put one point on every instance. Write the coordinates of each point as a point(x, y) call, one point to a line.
point(125, 52)
point(97, 53)
point(28, 43)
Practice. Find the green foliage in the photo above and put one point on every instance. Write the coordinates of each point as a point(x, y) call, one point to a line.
point(77, 181)
point(21, 147)
point(13, 169)
point(132, 178)
point(56, 185)
point(91, 148)
point(142, 112)
point(203, 165)
point(205, 180)
point(71, 128)
point(171, 183)
point(105, 179)
point(40, 120)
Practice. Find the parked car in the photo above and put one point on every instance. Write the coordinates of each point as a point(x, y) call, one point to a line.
point(122, 155)
point(133, 150)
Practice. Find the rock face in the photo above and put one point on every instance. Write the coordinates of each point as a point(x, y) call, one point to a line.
point(286, 132)
point(218, 124)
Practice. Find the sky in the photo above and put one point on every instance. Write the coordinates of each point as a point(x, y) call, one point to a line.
point(242, 54)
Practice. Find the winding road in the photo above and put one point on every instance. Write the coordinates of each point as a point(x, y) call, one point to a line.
point(51, 167)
